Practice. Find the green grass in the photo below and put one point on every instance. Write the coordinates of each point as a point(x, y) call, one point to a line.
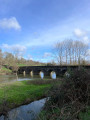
point(18, 93)
point(5, 70)
point(21, 65)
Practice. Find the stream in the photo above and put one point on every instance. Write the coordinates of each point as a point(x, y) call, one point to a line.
point(25, 112)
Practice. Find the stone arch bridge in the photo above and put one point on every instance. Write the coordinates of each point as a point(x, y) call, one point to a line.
point(47, 69)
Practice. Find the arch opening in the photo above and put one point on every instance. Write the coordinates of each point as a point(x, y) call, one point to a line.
point(41, 73)
point(53, 74)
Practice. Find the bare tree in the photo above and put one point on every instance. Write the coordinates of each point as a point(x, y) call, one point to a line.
point(59, 47)
point(8, 58)
point(1, 58)
point(73, 52)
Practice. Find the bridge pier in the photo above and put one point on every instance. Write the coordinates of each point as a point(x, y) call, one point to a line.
point(24, 73)
point(31, 73)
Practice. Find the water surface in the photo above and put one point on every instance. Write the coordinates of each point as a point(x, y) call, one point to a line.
point(13, 78)
point(26, 112)
point(21, 77)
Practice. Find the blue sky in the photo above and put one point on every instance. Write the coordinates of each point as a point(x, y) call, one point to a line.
point(34, 26)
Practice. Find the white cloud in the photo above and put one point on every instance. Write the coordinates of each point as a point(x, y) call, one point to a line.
point(79, 33)
point(12, 48)
point(10, 23)
point(82, 35)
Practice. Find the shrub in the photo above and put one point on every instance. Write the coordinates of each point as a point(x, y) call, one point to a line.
point(69, 98)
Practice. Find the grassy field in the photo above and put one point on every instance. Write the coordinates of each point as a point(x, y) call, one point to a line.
point(17, 93)
point(21, 65)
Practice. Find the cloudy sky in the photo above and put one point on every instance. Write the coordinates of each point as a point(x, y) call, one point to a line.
point(34, 26)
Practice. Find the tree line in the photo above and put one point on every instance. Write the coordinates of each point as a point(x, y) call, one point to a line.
point(13, 59)
point(71, 52)
point(67, 52)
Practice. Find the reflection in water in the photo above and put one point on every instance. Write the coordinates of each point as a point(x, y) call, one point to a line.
point(21, 77)
point(7, 78)
point(41, 75)
point(13, 78)
point(26, 112)
point(53, 75)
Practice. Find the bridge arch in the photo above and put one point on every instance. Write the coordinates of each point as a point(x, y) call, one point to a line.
point(41, 74)
point(53, 74)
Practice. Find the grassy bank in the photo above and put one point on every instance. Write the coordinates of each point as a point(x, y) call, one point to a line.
point(17, 93)
point(4, 70)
